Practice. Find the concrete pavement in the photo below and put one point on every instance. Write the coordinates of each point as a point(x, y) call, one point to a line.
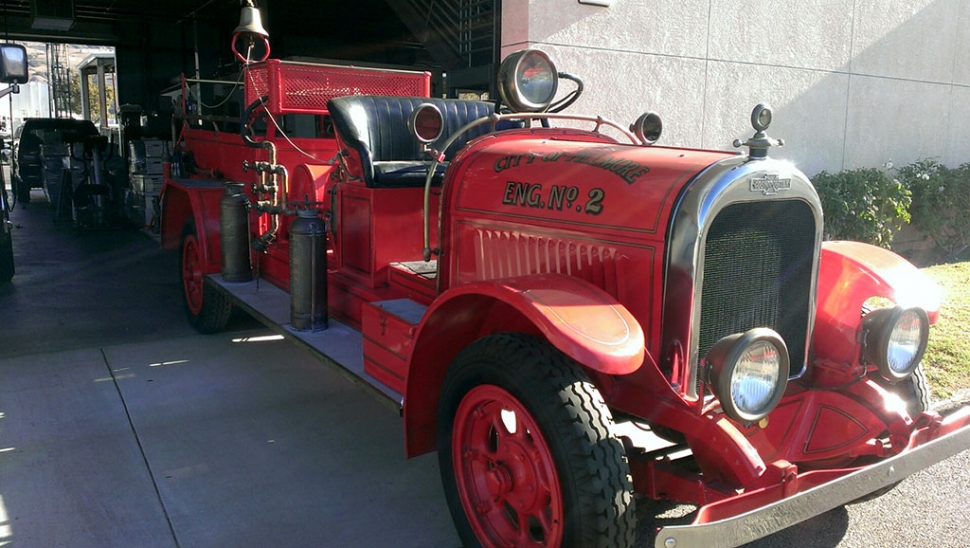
point(120, 426)
point(72, 472)
point(207, 441)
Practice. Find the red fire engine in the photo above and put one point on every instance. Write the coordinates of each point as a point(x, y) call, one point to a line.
point(525, 285)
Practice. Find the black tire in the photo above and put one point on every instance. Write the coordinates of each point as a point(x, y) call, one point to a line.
point(915, 391)
point(574, 444)
point(207, 309)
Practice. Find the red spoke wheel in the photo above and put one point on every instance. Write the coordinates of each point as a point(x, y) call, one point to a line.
point(208, 310)
point(505, 471)
point(526, 451)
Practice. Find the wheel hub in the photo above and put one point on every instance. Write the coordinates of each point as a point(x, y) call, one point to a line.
point(525, 482)
point(499, 481)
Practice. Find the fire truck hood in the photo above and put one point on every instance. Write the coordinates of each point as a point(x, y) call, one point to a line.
point(613, 186)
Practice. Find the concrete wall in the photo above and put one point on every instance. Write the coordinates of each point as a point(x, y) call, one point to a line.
point(853, 83)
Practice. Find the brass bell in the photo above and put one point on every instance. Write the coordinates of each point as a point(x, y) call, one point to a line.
point(250, 21)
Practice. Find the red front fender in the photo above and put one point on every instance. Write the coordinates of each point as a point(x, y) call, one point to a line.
point(581, 320)
point(197, 200)
point(850, 273)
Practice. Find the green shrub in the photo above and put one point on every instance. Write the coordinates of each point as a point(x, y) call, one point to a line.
point(941, 204)
point(863, 204)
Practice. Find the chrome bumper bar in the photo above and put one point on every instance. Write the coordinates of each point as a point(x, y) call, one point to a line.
point(759, 523)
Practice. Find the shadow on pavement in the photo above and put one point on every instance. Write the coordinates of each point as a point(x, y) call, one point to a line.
point(87, 288)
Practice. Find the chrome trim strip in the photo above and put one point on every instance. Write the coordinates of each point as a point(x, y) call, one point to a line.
point(727, 182)
point(769, 519)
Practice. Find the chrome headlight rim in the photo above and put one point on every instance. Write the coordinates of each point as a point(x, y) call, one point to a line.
point(882, 334)
point(426, 123)
point(724, 358)
point(512, 74)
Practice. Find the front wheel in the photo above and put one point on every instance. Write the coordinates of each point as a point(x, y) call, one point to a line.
point(208, 310)
point(526, 451)
point(915, 393)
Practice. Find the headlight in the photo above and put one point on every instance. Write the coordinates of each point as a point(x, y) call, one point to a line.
point(749, 373)
point(895, 340)
point(528, 81)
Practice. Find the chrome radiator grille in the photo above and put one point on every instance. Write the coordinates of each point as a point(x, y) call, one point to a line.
point(758, 262)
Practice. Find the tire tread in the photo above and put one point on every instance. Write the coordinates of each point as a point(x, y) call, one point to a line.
point(582, 424)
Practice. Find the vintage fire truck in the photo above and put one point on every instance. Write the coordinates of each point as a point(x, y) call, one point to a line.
point(574, 318)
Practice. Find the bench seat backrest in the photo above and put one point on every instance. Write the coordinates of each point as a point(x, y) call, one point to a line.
point(375, 127)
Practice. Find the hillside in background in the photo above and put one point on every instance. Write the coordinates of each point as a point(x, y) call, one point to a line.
point(37, 57)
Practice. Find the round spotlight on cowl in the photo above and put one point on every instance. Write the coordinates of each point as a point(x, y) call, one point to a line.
point(528, 81)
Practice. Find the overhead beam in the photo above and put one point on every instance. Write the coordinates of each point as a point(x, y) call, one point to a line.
point(82, 32)
point(417, 23)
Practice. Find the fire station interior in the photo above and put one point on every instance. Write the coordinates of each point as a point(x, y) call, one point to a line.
point(120, 425)
point(156, 41)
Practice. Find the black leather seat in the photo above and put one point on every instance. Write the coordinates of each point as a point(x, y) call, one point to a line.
point(376, 128)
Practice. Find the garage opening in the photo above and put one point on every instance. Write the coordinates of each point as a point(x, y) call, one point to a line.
point(65, 81)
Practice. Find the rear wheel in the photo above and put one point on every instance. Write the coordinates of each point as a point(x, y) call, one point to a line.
point(208, 310)
point(526, 451)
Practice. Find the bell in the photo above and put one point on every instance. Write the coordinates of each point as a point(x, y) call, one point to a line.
point(250, 22)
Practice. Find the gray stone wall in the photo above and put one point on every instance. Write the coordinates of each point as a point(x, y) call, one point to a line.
point(854, 83)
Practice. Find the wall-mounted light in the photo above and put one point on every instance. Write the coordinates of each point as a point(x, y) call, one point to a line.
point(601, 3)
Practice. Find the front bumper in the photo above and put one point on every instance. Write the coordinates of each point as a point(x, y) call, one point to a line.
point(817, 492)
